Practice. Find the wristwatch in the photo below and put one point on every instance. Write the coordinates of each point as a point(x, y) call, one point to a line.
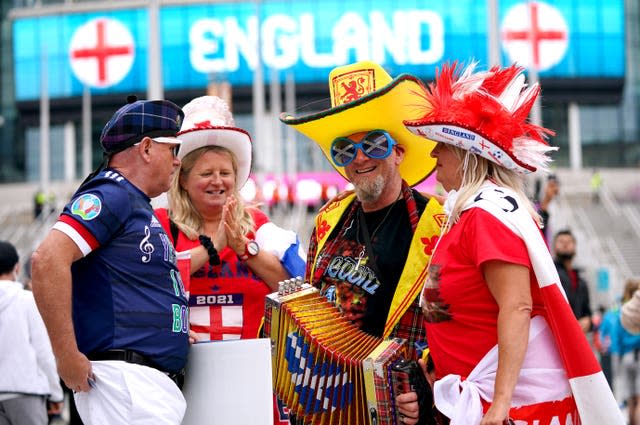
point(251, 249)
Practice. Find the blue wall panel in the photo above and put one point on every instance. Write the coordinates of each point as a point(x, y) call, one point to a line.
point(310, 38)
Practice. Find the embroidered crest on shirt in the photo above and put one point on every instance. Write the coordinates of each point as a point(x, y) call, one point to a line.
point(86, 206)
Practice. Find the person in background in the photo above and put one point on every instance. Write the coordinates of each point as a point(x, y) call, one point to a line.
point(106, 282)
point(236, 254)
point(30, 387)
point(596, 185)
point(630, 318)
point(624, 348)
point(370, 246)
point(501, 334)
point(564, 248)
point(39, 201)
point(551, 190)
point(600, 344)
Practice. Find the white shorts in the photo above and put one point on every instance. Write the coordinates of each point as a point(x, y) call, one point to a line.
point(629, 376)
point(130, 394)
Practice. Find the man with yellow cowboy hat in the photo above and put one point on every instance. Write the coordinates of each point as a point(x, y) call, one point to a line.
point(369, 249)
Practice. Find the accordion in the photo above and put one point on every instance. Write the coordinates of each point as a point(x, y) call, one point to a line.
point(325, 369)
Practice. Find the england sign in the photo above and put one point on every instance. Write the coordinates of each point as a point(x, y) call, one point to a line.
point(101, 52)
point(216, 41)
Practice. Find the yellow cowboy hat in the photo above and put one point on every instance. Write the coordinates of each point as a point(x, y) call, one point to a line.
point(364, 97)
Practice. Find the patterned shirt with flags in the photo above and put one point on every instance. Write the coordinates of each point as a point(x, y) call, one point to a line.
point(403, 316)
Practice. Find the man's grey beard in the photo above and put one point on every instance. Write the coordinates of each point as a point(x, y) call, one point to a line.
point(370, 190)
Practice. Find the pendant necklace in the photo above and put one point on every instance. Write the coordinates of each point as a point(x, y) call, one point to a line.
point(361, 259)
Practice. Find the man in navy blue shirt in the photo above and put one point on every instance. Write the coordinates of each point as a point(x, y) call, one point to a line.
point(106, 282)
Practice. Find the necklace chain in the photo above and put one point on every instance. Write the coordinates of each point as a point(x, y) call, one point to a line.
point(361, 259)
point(373, 235)
point(383, 218)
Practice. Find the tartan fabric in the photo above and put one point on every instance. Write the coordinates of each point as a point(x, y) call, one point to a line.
point(136, 120)
point(382, 384)
point(311, 255)
point(414, 217)
point(410, 326)
point(323, 261)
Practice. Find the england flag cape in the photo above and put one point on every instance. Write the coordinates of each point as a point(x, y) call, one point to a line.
point(460, 399)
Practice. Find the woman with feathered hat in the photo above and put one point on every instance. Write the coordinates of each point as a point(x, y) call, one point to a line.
point(501, 334)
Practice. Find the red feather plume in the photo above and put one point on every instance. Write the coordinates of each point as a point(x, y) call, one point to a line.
point(493, 104)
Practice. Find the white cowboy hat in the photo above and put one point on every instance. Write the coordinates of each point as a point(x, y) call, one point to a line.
point(209, 122)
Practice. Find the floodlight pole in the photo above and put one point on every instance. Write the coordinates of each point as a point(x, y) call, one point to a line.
point(44, 122)
point(536, 112)
point(258, 94)
point(87, 151)
point(155, 89)
point(493, 32)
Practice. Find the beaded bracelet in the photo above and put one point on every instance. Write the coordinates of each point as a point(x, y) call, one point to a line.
point(214, 258)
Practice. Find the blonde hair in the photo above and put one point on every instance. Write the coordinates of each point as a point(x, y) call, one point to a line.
point(475, 170)
point(181, 209)
point(629, 288)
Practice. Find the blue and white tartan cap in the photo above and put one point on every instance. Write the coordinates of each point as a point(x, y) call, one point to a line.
point(158, 119)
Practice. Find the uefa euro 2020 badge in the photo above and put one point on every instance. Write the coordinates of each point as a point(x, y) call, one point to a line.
point(86, 206)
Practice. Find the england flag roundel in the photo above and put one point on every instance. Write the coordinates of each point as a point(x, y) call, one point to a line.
point(101, 52)
point(535, 34)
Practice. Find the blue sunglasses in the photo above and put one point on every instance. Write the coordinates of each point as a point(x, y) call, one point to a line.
point(376, 144)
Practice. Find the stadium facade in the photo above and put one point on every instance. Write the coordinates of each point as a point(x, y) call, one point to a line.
point(60, 56)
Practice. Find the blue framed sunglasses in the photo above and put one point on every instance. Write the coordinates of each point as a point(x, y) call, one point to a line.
point(376, 144)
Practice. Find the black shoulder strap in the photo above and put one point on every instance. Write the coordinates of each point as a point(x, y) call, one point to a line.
point(173, 227)
point(367, 242)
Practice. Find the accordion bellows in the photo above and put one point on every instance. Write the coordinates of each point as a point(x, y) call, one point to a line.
point(325, 369)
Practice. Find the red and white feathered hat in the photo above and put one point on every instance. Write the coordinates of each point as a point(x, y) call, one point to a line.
point(486, 114)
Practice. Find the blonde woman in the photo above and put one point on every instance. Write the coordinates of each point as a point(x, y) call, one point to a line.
point(234, 255)
point(501, 334)
point(237, 256)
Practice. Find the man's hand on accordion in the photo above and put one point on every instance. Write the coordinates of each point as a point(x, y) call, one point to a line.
point(409, 407)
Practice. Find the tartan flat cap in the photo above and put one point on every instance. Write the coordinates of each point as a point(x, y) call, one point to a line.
point(139, 119)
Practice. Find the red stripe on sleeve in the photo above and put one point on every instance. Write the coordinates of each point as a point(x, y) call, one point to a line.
point(81, 229)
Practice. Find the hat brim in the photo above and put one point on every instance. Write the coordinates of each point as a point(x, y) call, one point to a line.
point(383, 109)
point(235, 139)
point(169, 140)
point(472, 141)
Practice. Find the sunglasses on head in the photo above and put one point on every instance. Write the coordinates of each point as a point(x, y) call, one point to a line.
point(376, 144)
